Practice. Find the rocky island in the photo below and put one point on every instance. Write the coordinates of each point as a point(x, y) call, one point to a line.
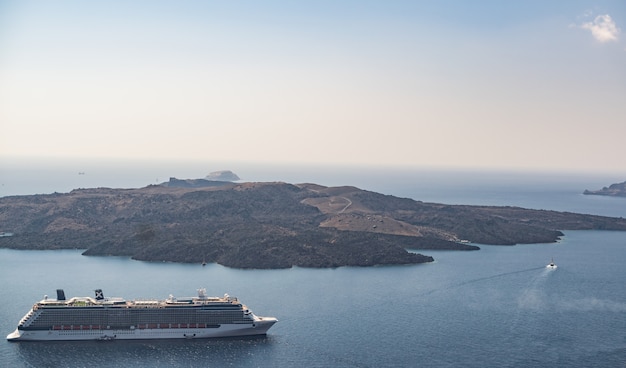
point(614, 190)
point(269, 225)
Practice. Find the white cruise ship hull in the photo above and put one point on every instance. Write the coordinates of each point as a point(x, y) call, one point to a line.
point(100, 318)
point(260, 327)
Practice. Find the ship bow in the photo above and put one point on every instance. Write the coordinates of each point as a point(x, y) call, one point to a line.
point(15, 335)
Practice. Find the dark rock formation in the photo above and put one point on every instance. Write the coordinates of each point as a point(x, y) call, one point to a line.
point(270, 225)
point(614, 190)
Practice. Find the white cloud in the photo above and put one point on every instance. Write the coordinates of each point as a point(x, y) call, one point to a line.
point(603, 28)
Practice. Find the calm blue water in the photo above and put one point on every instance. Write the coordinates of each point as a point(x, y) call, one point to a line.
point(497, 307)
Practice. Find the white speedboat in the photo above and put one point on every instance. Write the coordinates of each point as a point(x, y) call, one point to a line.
point(551, 265)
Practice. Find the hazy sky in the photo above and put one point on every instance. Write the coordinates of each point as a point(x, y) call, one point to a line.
point(485, 84)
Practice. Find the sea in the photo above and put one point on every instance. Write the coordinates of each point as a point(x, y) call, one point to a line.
point(496, 307)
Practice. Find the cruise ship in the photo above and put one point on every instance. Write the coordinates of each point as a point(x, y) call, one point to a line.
point(100, 318)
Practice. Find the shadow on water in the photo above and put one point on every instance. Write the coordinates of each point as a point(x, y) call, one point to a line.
point(151, 353)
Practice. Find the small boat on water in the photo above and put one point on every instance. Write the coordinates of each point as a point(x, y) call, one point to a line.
point(551, 265)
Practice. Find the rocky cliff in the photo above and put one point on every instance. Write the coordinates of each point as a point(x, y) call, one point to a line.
point(614, 190)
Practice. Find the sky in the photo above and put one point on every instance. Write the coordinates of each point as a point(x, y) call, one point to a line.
point(449, 84)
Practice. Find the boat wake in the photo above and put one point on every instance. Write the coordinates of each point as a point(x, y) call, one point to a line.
point(481, 279)
point(533, 296)
point(477, 280)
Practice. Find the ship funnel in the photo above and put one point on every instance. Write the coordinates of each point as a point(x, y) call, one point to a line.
point(99, 294)
point(60, 294)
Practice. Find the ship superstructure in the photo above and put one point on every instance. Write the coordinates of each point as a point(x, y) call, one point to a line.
point(100, 318)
